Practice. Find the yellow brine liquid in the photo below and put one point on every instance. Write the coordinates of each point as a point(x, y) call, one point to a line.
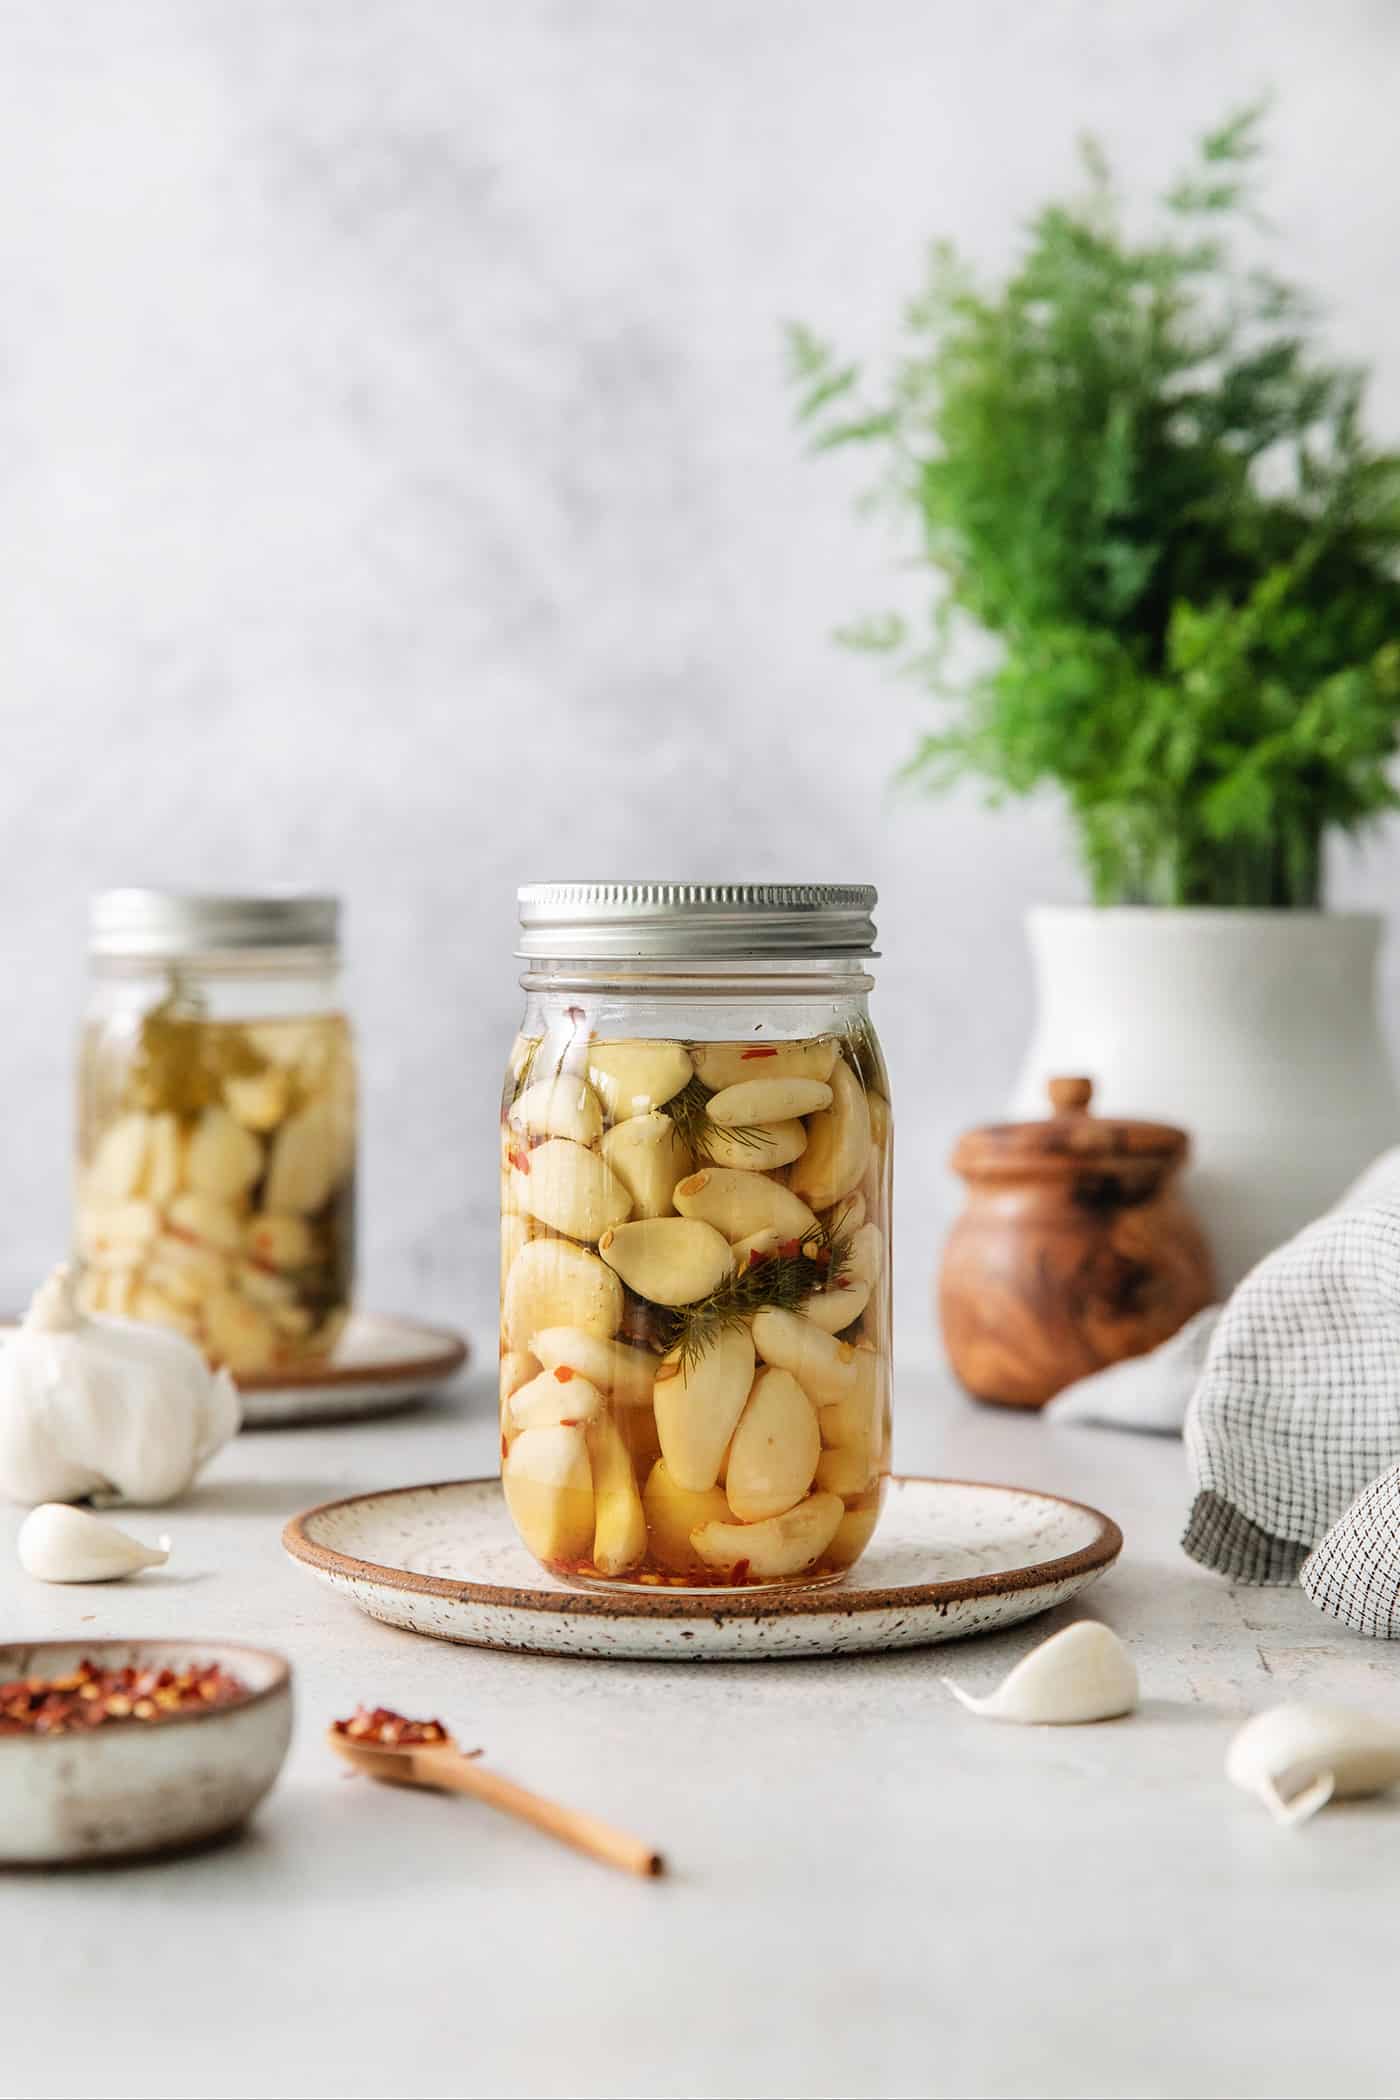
point(216, 1179)
point(695, 1335)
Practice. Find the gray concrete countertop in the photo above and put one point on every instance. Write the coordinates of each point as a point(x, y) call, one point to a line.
point(873, 1891)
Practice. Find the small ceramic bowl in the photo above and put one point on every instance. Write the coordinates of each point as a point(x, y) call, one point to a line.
point(138, 1786)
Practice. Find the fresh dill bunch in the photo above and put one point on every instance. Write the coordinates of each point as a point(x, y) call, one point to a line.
point(785, 1279)
point(689, 1111)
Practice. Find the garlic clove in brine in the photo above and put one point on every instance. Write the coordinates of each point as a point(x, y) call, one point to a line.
point(1081, 1674)
point(58, 1543)
point(1297, 1758)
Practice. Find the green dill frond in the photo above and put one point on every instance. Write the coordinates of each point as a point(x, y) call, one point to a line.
point(689, 1111)
point(785, 1279)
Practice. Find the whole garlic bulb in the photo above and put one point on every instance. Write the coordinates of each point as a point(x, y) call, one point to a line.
point(103, 1408)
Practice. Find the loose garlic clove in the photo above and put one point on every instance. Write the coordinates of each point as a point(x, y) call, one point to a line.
point(759, 1149)
point(548, 1485)
point(624, 1373)
point(697, 1406)
point(552, 1398)
point(1081, 1674)
point(838, 1143)
point(553, 1283)
point(620, 1526)
point(648, 1158)
point(673, 1513)
point(1297, 1758)
point(826, 1370)
point(671, 1261)
point(223, 1159)
point(568, 1187)
point(775, 1450)
point(58, 1543)
point(566, 1107)
point(740, 1205)
point(722, 1065)
point(777, 1547)
point(767, 1101)
point(635, 1077)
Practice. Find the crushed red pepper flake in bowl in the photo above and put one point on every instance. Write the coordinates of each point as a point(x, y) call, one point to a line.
point(87, 1697)
point(380, 1724)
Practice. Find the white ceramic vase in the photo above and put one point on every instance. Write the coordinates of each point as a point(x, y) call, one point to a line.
point(1256, 1031)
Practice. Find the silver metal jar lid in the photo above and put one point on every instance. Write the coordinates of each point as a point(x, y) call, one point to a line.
point(737, 921)
point(166, 923)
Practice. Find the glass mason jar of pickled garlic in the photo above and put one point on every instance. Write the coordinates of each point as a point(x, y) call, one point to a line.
point(215, 1188)
point(695, 1210)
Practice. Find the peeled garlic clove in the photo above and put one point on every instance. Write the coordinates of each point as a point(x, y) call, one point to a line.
point(767, 1101)
point(834, 1311)
point(838, 1143)
point(739, 1204)
point(619, 1525)
point(260, 1100)
point(853, 1535)
point(671, 1261)
point(633, 1077)
point(279, 1239)
point(755, 1247)
point(847, 1470)
point(119, 1162)
point(58, 1543)
point(775, 1450)
point(1083, 1673)
point(553, 1397)
point(224, 1159)
point(1296, 1758)
point(209, 1219)
point(517, 1367)
point(673, 1513)
point(826, 1369)
point(237, 1333)
point(566, 1107)
point(697, 1406)
point(165, 1159)
point(568, 1187)
point(760, 1149)
point(553, 1283)
point(648, 1158)
point(779, 1546)
point(548, 1486)
point(114, 1235)
point(865, 1258)
point(847, 1216)
point(624, 1373)
point(516, 1232)
point(186, 1269)
point(729, 1064)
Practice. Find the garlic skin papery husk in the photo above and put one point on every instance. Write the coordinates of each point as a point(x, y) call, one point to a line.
point(1083, 1673)
point(105, 1410)
point(1298, 1758)
point(58, 1543)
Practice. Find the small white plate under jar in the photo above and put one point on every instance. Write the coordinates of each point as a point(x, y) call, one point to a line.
point(950, 1558)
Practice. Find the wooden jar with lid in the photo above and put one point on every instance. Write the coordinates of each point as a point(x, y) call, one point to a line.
point(1075, 1250)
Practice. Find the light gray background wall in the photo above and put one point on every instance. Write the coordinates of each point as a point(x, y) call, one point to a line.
point(399, 491)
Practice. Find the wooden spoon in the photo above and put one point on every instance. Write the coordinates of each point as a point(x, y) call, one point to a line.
point(445, 1768)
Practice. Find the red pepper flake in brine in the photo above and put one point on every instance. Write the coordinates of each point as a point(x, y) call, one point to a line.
point(519, 1158)
point(758, 1050)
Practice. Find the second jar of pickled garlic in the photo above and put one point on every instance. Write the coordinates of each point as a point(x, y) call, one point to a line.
point(216, 1124)
point(695, 1208)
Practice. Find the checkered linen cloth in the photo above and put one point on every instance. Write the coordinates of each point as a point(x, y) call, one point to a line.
point(1293, 1432)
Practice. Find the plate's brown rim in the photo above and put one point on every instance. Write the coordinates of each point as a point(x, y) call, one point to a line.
point(281, 1675)
point(449, 1355)
point(807, 1603)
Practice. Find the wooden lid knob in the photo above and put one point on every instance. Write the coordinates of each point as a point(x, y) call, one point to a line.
point(1070, 1096)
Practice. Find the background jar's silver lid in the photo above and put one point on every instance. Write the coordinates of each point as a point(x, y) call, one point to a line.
point(743, 921)
point(165, 923)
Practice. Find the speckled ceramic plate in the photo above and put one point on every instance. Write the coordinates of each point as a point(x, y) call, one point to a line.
point(378, 1365)
point(951, 1558)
